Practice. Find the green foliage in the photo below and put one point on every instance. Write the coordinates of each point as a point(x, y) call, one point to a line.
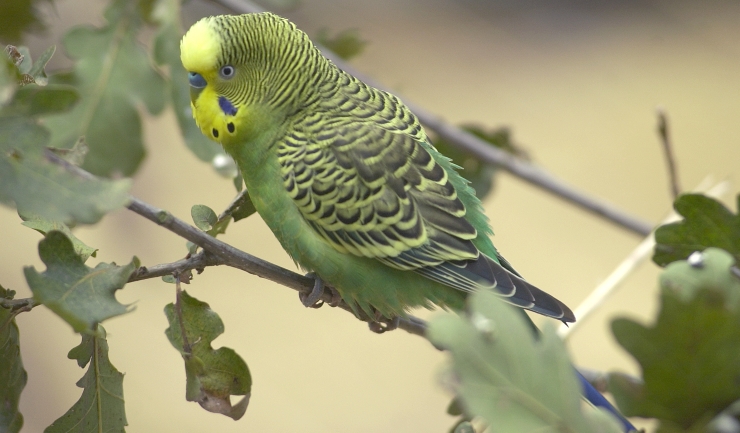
point(80, 295)
point(30, 71)
point(206, 219)
point(13, 376)
point(27, 179)
point(113, 75)
point(75, 155)
point(345, 44)
point(481, 175)
point(20, 136)
point(41, 101)
point(39, 187)
point(212, 375)
point(690, 356)
point(509, 378)
point(203, 217)
point(45, 226)
point(19, 17)
point(706, 223)
point(242, 208)
point(101, 406)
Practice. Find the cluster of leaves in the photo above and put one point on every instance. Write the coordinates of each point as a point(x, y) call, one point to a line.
point(27, 179)
point(507, 376)
point(89, 117)
point(690, 355)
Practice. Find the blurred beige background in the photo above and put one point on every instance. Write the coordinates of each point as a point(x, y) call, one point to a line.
point(578, 82)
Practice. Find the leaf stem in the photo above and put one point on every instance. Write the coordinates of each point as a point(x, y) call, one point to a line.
point(98, 396)
point(186, 349)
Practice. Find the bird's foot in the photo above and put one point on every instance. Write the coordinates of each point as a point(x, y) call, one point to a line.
point(313, 299)
point(382, 324)
point(336, 298)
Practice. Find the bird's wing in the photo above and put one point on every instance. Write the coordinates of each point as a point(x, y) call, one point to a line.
point(375, 193)
point(379, 193)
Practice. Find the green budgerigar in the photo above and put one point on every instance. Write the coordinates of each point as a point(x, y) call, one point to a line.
point(344, 174)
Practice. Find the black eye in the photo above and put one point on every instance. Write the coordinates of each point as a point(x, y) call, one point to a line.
point(227, 72)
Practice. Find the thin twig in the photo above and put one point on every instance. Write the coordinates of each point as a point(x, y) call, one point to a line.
point(198, 262)
point(222, 253)
point(665, 138)
point(609, 286)
point(25, 304)
point(526, 171)
point(16, 307)
point(230, 256)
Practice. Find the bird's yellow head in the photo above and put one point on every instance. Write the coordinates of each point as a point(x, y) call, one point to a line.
point(245, 73)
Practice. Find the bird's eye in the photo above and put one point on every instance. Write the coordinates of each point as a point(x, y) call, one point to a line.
point(227, 72)
point(196, 80)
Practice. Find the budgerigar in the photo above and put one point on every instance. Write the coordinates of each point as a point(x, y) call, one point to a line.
point(344, 174)
point(345, 177)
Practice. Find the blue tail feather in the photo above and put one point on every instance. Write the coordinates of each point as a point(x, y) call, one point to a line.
point(595, 397)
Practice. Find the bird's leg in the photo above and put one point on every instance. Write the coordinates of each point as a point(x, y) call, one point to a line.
point(313, 299)
point(382, 324)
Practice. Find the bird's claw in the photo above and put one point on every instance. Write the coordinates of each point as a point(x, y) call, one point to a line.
point(382, 324)
point(336, 298)
point(313, 299)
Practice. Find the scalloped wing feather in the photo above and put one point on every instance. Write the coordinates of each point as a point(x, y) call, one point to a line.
point(379, 193)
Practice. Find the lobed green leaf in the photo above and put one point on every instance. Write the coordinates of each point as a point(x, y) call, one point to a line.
point(212, 375)
point(80, 295)
point(36, 186)
point(113, 75)
point(13, 376)
point(45, 226)
point(706, 223)
point(101, 405)
point(42, 101)
point(690, 356)
point(21, 135)
point(507, 377)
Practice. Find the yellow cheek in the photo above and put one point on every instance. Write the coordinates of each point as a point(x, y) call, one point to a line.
point(211, 119)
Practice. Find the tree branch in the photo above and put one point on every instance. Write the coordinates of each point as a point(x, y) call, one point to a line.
point(524, 170)
point(197, 261)
point(19, 305)
point(225, 254)
point(217, 252)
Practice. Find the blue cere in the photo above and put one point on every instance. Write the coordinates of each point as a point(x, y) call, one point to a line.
point(226, 106)
point(196, 80)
